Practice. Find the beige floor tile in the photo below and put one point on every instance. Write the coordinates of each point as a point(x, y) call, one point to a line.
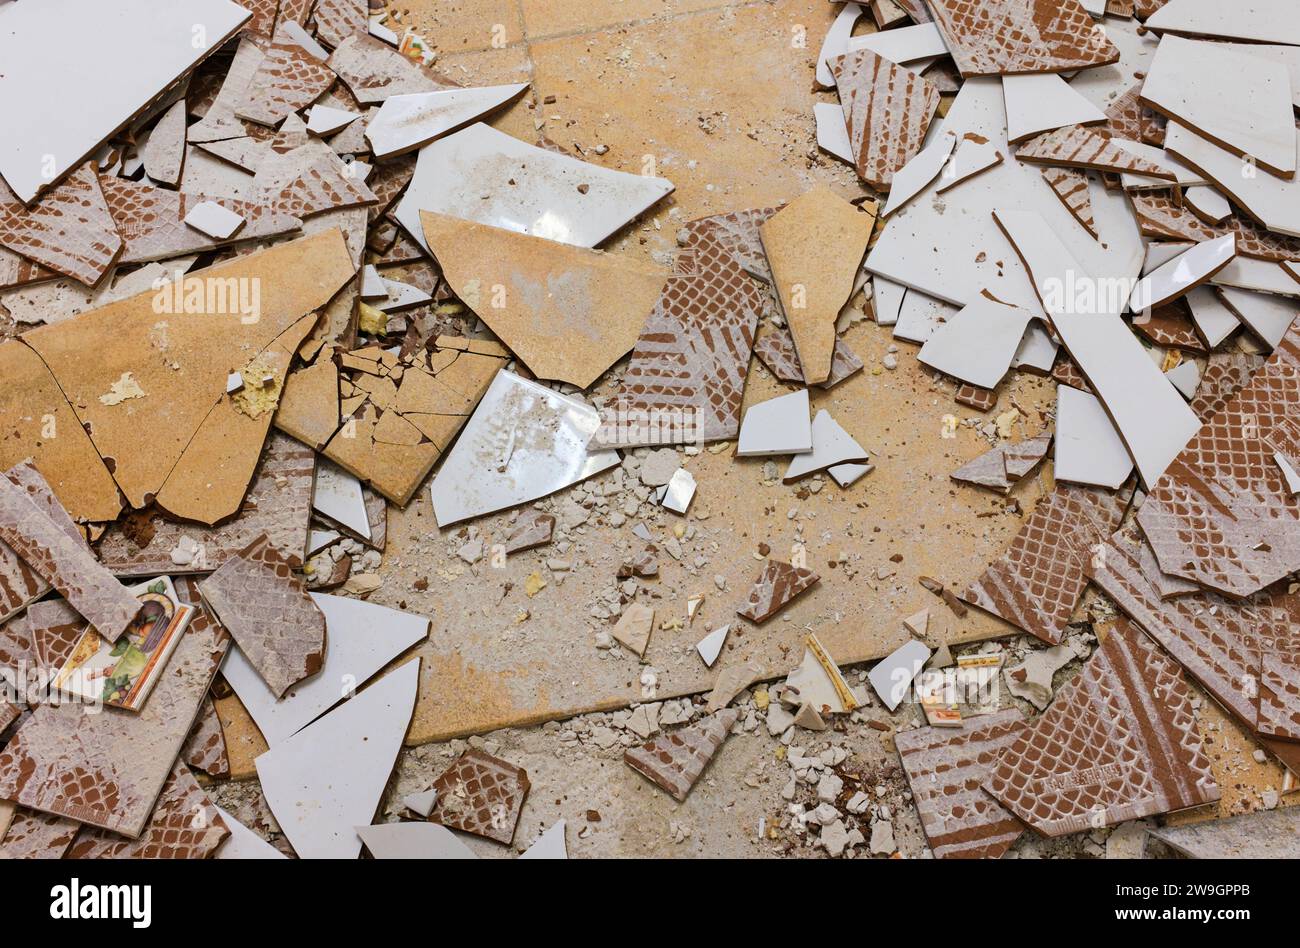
point(457, 26)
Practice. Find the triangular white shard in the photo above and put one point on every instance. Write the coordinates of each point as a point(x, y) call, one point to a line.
point(402, 296)
point(1183, 274)
point(969, 158)
point(831, 446)
point(1214, 321)
point(421, 803)
point(1041, 102)
point(1263, 21)
point(337, 495)
point(911, 179)
point(1208, 204)
point(243, 843)
point(550, 845)
point(416, 840)
point(1260, 276)
point(327, 779)
point(887, 299)
point(1037, 349)
point(819, 685)
point(920, 315)
point(1088, 449)
point(1158, 254)
point(1183, 176)
point(317, 540)
point(836, 44)
point(362, 639)
point(1185, 377)
point(904, 45)
point(894, 674)
point(214, 220)
point(486, 176)
point(372, 284)
point(524, 441)
point(407, 122)
point(777, 426)
point(846, 474)
point(832, 133)
point(1292, 476)
point(1266, 315)
point(710, 647)
point(978, 344)
point(325, 120)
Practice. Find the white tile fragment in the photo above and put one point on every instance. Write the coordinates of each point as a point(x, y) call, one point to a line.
point(893, 675)
point(678, 493)
point(835, 43)
point(978, 343)
point(414, 840)
point(324, 120)
point(1208, 204)
point(407, 122)
point(710, 647)
point(1185, 377)
point(777, 426)
point(831, 446)
point(1266, 315)
point(911, 179)
point(969, 158)
point(1087, 448)
point(550, 845)
point(1182, 274)
point(421, 803)
point(214, 220)
point(372, 284)
point(1263, 21)
point(1214, 321)
point(1041, 102)
point(337, 495)
point(832, 133)
point(243, 843)
point(846, 474)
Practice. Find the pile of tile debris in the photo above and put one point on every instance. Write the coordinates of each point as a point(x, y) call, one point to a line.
point(1103, 192)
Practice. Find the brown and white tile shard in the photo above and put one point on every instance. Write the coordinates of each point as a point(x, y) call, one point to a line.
point(945, 768)
point(1078, 147)
point(1071, 187)
point(267, 609)
point(19, 583)
point(776, 586)
point(35, 835)
point(775, 348)
point(1226, 373)
point(887, 110)
point(533, 528)
point(481, 794)
point(288, 79)
point(1161, 218)
point(205, 748)
point(1011, 37)
point(68, 229)
point(676, 760)
point(1036, 583)
point(1222, 515)
point(1119, 742)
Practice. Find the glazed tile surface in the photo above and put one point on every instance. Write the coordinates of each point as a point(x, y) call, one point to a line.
point(675, 760)
point(481, 794)
point(775, 587)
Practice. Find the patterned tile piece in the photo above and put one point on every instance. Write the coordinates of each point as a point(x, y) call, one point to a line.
point(1010, 37)
point(945, 767)
point(184, 825)
point(972, 396)
point(290, 78)
point(1078, 147)
point(19, 583)
point(63, 561)
point(265, 606)
point(1222, 515)
point(69, 229)
point(9, 713)
point(675, 760)
point(16, 270)
point(737, 233)
point(887, 110)
point(1159, 217)
point(336, 20)
point(38, 836)
point(205, 748)
point(308, 180)
point(1170, 326)
point(56, 628)
point(278, 504)
point(1226, 374)
point(1118, 743)
point(481, 794)
point(1071, 187)
point(775, 348)
point(1129, 119)
point(152, 221)
point(776, 586)
point(533, 528)
point(374, 71)
point(1279, 695)
point(107, 769)
point(987, 470)
point(1036, 583)
point(16, 642)
point(1067, 373)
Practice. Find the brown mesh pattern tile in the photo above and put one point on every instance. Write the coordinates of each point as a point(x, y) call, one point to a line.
point(63, 561)
point(1008, 37)
point(336, 20)
point(776, 586)
point(1225, 375)
point(675, 760)
point(1067, 373)
point(1071, 187)
point(1037, 582)
point(9, 713)
point(265, 606)
point(306, 181)
point(19, 583)
point(68, 229)
point(56, 629)
point(1279, 695)
point(736, 233)
point(1170, 326)
point(387, 181)
point(107, 769)
point(1222, 514)
point(290, 78)
point(775, 348)
point(16, 644)
point(205, 748)
point(972, 396)
point(887, 110)
point(481, 794)
point(1119, 742)
point(945, 768)
point(184, 825)
point(38, 836)
point(1129, 119)
point(1159, 217)
point(1078, 147)
point(152, 221)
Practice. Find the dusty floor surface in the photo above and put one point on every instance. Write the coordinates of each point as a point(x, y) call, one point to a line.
point(718, 97)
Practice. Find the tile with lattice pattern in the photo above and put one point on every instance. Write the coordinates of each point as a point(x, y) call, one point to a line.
point(1067, 373)
point(56, 629)
point(16, 643)
point(107, 769)
point(972, 396)
point(1161, 218)
point(676, 759)
point(1037, 582)
point(9, 713)
point(887, 110)
point(336, 20)
point(31, 533)
point(1119, 742)
point(308, 180)
point(481, 794)
point(737, 233)
point(1129, 119)
point(17, 270)
point(945, 767)
point(1279, 695)
point(1170, 326)
point(1011, 37)
point(776, 586)
point(19, 583)
point(1071, 188)
point(1223, 515)
point(266, 608)
point(775, 348)
point(67, 229)
point(205, 748)
point(1226, 373)
point(290, 78)
point(35, 835)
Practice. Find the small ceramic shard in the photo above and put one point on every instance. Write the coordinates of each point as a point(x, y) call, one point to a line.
point(710, 647)
point(1043, 102)
point(205, 748)
point(892, 677)
point(1264, 834)
point(831, 446)
point(407, 122)
point(291, 77)
point(678, 493)
point(973, 154)
point(243, 843)
point(1071, 187)
point(818, 682)
point(1208, 204)
point(1078, 147)
point(676, 760)
point(481, 794)
point(1267, 316)
point(913, 178)
point(808, 718)
point(777, 426)
point(214, 220)
point(422, 802)
point(832, 133)
point(1088, 449)
point(550, 845)
point(836, 42)
point(1214, 321)
point(533, 528)
point(164, 152)
point(69, 230)
point(323, 120)
point(776, 586)
point(1182, 274)
point(634, 627)
point(987, 470)
point(731, 681)
point(337, 495)
point(978, 343)
point(373, 71)
point(847, 474)
point(413, 841)
point(1185, 377)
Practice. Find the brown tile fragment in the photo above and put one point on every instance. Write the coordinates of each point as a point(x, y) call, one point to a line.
point(533, 528)
point(972, 396)
point(1071, 187)
point(1226, 373)
point(481, 794)
point(289, 78)
point(1078, 147)
point(1279, 695)
point(205, 748)
point(336, 20)
point(776, 586)
point(1170, 326)
point(1119, 742)
point(945, 767)
point(19, 583)
point(1067, 373)
point(887, 109)
point(1159, 217)
point(1011, 37)
point(675, 760)
point(56, 628)
point(35, 835)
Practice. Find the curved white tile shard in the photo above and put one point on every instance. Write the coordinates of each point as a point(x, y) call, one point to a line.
point(327, 779)
point(407, 122)
point(835, 43)
point(482, 175)
point(1088, 449)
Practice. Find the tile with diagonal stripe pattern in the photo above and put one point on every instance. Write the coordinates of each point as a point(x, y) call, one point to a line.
point(1071, 187)
point(1011, 37)
point(1075, 146)
point(1159, 217)
point(676, 760)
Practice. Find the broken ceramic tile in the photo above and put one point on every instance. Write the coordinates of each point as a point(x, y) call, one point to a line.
point(1119, 742)
point(1032, 678)
point(919, 172)
point(533, 528)
point(818, 684)
point(1185, 377)
point(731, 681)
point(774, 347)
point(678, 493)
point(164, 153)
point(775, 587)
point(422, 802)
point(832, 133)
point(1009, 37)
point(516, 186)
point(892, 677)
point(978, 343)
point(205, 748)
point(407, 122)
point(987, 470)
point(374, 71)
point(265, 607)
point(710, 647)
point(338, 495)
point(836, 42)
point(20, 584)
point(1267, 316)
point(1171, 327)
point(634, 627)
point(945, 768)
point(1088, 449)
point(777, 426)
point(1265, 21)
point(327, 779)
point(1042, 102)
point(69, 229)
point(362, 639)
point(676, 760)
point(413, 841)
point(831, 447)
point(323, 121)
point(1264, 834)
point(243, 843)
point(1078, 147)
point(481, 794)
point(291, 77)
point(1182, 274)
point(1072, 188)
point(550, 845)
point(846, 474)
point(33, 835)
point(215, 221)
point(972, 155)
